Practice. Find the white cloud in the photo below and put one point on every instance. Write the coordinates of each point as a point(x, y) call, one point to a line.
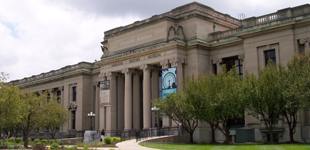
point(50, 37)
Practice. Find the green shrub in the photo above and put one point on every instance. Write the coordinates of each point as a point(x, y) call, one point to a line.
point(85, 147)
point(14, 146)
point(100, 144)
point(19, 140)
point(68, 142)
point(29, 140)
point(81, 144)
point(58, 142)
point(71, 148)
point(44, 141)
point(52, 141)
point(107, 140)
point(12, 139)
point(3, 144)
point(36, 141)
point(116, 139)
point(54, 146)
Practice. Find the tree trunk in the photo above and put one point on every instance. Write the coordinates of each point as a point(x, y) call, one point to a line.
point(191, 141)
point(227, 137)
point(271, 136)
point(25, 140)
point(213, 133)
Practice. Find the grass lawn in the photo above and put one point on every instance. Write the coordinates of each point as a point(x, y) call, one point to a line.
point(227, 147)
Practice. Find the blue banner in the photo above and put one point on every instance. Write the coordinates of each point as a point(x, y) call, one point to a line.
point(169, 81)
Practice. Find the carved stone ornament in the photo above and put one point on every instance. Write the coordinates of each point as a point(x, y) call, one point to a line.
point(105, 50)
point(72, 106)
point(175, 33)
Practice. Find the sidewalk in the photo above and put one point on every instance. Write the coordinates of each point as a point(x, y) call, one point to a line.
point(131, 145)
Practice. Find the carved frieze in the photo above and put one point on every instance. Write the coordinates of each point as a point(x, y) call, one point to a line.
point(175, 33)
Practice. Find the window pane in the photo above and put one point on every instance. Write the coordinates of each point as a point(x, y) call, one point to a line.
point(237, 62)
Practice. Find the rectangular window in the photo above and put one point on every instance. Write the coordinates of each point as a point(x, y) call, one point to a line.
point(234, 62)
point(74, 94)
point(270, 56)
point(58, 96)
point(73, 119)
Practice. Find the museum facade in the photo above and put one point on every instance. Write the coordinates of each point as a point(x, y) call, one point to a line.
point(148, 59)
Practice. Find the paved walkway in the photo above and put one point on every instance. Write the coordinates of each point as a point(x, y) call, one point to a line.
point(131, 145)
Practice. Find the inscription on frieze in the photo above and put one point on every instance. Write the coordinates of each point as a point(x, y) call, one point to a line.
point(134, 60)
point(117, 64)
point(138, 39)
point(154, 55)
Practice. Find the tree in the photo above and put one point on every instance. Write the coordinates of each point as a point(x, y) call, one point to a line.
point(55, 115)
point(176, 106)
point(296, 89)
point(224, 97)
point(264, 95)
point(197, 88)
point(9, 106)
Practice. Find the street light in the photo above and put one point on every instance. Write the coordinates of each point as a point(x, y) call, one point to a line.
point(156, 109)
point(91, 115)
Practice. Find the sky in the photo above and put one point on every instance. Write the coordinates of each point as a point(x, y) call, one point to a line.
point(37, 36)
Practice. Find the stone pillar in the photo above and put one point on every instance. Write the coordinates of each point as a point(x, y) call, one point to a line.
point(97, 107)
point(146, 96)
point(166, 121)
point(136, 100)
point(218, 62)
point(128, 98)
point(178, 62)
point(61, 89)
point(155, 91)
point(120, 102)
point(111, 110)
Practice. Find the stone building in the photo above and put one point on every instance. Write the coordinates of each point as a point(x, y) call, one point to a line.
point(192, 38)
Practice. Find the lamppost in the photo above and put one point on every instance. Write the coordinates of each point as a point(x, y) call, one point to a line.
point(156, 111)
point(91, 115)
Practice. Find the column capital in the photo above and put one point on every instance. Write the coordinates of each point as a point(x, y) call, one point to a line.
point(61, 88)
point(241, 57)
point(128, 71)
point(96, 83)
point(146, 67)
point(304, 41)
point(217, 60)
point(164, 63)
point(176, 61)
point(111, 75)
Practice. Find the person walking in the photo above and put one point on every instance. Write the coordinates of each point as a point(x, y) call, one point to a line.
point(102, 135)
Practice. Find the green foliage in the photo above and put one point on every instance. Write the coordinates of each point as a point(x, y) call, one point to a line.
point(58, 142)
point(19, 140)
point(85, 147)
point(54, 146)
point(81, 144)
point(100, 144)
point(107, 140)
point(29, 139)
point(3, 143)
point(68, 142)
point(36, 141)
point(12, 139)
point(116, 139)
point(52, 141)
point(44, 141)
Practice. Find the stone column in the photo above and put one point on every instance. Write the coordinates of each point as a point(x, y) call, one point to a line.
point(61, 89)
point(218, 62)
point(166, 121)
point(136, 100)
point(128, 98)
point(146, 96)
point(111, 110)
point(241, 57)
point(178, 62)
point(97, 107)
point(155, 91)
point(120, 102)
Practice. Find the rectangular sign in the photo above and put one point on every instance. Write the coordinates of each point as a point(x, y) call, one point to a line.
point(105, 93)
point(169, 81)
